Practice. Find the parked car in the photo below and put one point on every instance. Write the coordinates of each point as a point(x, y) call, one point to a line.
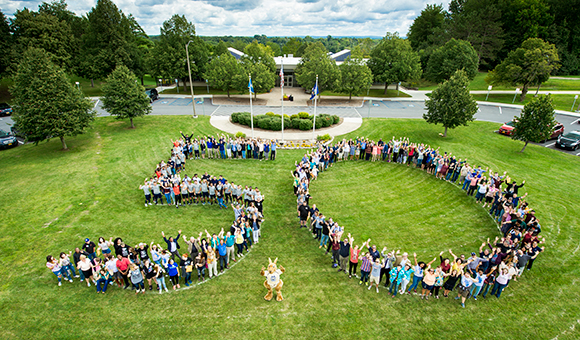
point(7, 140)
point(571, 140)
point(508, 129)
point(5, 109)
point(152, 94)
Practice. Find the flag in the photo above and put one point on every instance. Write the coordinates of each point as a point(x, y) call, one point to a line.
point(282, 75)
point(314, 91)
point(250, 86)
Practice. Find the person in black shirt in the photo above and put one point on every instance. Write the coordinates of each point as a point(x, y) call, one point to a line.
point(89, 247)
point(186, 265)
point(304, 213)
point(141, 249)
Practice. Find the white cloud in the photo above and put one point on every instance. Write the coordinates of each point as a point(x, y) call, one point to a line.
point(269, 17)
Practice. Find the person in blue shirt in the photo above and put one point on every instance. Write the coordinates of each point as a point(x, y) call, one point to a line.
point(222, 251)
point(173, 271)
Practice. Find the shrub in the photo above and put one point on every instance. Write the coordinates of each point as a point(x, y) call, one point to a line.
point(286, 116)
point(295, 123)
point(336, 119)
point(303, 115)
point(270, 114)
point(240, 134)
point(294, 116)
point(318, 124)
point(287, 123)
point(234, 117)
point(264, 123)
point(275, 124)
point(324, 137)
point(305, 124)
point(326, 121)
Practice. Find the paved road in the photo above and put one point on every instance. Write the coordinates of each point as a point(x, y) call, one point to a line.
point(378, 109)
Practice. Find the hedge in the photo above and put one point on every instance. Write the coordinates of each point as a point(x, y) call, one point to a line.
point(272, 121)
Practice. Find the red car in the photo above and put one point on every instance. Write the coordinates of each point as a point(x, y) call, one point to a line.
point(508, 129)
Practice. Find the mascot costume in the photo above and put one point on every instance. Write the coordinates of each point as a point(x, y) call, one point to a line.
point(273, 281)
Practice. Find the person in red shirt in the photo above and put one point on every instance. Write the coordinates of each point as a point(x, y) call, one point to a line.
point(123, 266)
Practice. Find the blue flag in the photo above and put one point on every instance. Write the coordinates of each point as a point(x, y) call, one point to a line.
point(250, 86)
point(314, 91)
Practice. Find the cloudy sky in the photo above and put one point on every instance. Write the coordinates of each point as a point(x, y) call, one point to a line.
point(269, 17)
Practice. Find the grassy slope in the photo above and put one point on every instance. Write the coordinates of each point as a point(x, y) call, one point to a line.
point(104, 168)
point(560, 101)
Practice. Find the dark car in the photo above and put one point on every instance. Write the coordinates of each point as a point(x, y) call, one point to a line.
point(7, 140)
point(5, 109)
point(152, 94)
point(571, 140)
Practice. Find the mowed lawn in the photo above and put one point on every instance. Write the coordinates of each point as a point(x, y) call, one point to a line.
point(93, 191)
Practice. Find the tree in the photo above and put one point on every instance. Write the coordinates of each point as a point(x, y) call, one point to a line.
point(451, 104)
point(261, 65)
point(536, 121)
point(5, 43)
point(453, 56)
point(528, 65)
point(355, 76)
point(105, 42)
point(422, 32)
point(226, 73)
point(316, 61)
point(46, 104)
point(291, 46)
point(123, 96)
point(364, 48)
point(221, 48)
point(479, 22)
point(171, 60)
point(393, 60)
point(42, 30)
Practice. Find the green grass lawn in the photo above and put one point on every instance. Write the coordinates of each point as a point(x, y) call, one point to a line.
point(560, 101)
point(93, 191)
point(380, 93)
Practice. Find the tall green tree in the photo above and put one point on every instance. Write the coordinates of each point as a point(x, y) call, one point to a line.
point(536, 121)
point(393, 60)
point(423, 31)
point(316, 61)
point(221, 48)
point(258, 62)
point(124, 97)
point(5, 43)
point(291, 46)
point(453, 56)
point(42, 30)
point(451, 104)
point(356, 77)
point(171, 60)
point(226, 73)
point(46, 104)
point(528, 65)
point(479, 22)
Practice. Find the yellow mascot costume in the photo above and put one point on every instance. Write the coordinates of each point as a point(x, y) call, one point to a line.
point(273, 281)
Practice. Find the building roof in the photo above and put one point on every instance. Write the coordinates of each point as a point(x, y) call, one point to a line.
point(236, 53)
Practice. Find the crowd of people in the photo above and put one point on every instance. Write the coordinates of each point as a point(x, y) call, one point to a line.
point(170, 185)
point(487, 270)
point(130, 267)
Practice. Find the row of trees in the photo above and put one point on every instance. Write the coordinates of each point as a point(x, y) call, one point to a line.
point(451, 105)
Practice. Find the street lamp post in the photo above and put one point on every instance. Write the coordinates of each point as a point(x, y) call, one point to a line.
point(190, 82)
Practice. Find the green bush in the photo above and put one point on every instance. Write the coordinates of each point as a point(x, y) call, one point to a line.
point(336, 119)
point(234, 117)
point(324, 137)
point(318, 123)
point(294, 116)
point(326, 121)
point(276, 124)
point(287, 123)
point(305, 124)
point(240, 134)
point(264, 123)
point(295, 123)
point(270, 114)
point(303, 115)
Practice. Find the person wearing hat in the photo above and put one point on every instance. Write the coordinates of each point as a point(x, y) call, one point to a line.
point(89, 247)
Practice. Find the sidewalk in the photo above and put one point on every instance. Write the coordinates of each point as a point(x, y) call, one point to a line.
point(223, 123)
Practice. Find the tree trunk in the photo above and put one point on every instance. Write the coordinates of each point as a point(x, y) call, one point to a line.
point(538, 89)
point(132, 126)
point(142, 81)
point(228, 92)
point(524, 147)
point(386, 87)
point(92, 83)
point(524, 92)
point(185, 85)
point(445, 133)
point(255, 95)
point(397, 86)
point(64, 147)
point(349, 96)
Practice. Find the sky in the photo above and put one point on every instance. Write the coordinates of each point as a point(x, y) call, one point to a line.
point(268, 17)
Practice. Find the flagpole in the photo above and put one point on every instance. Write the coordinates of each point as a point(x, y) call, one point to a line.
point(282, 95)
point(251, 110)
point(314, 117)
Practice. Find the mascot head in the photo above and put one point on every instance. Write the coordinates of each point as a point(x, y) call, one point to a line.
point(272, 266)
